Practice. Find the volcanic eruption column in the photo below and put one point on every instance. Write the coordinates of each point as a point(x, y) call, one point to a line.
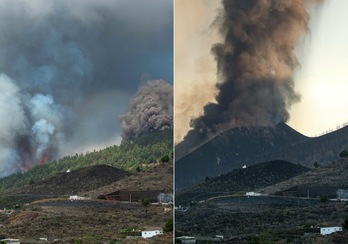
point(255, 63)
point(151, 109)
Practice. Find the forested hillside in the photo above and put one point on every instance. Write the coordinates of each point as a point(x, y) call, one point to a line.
point(129, 156)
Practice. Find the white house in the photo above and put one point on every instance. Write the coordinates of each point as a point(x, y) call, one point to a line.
point(251, 193)
point(79, 198)
point(329, 230)
point(150, 232)
point(221, 237)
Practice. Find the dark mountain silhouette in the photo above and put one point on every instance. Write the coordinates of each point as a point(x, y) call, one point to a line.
point(255, 144)
point(282, 131)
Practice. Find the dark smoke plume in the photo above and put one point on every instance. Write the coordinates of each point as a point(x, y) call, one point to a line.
point(255, 63)
point(151, 109)
point(67, 68)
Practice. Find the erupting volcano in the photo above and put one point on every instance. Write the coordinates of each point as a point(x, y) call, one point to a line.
point(68, 70)
point(255, 63)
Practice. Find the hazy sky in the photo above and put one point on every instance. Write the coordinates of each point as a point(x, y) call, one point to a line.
point(321, 80)
point(195, 69)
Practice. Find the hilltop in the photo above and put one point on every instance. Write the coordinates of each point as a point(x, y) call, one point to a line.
point(238, 136)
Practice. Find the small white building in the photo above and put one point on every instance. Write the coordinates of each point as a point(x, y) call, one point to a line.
point(152, 231)
point(79, 198)
point(329, 230)
point(254, 194)
point(12, 241)
point(221, 237)
point(186, 239)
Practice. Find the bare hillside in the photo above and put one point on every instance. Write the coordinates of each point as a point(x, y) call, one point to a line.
point(335, 173)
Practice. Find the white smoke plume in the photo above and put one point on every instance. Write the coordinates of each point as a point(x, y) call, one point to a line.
point(13, 122)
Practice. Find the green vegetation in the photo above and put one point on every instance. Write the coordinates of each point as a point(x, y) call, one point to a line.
point(88, 239)
point(168, 227)
point(324, 199)
point(129, 155)
point(31, 182)
point(345, 224)
point(344, 154)
point(165, 159)
point(138, 168)
point(145, 203)
point(263, 238)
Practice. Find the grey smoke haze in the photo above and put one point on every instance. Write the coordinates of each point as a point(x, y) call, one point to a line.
point(255, 64)
point(69, 68)
point(151, 109)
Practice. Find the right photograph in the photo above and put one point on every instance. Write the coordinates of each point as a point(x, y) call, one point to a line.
point(261, 122)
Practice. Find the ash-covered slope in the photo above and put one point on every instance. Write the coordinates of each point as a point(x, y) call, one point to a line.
point(255, 144)
point(242, 180)
point(323, 149)
point(80, 180)
point(232, 149)
point(253, 177)
point(332, 174)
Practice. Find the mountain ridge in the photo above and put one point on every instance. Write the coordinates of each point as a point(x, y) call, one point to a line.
point(255, 144)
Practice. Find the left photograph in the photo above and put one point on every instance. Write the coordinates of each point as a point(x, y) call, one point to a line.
point(86, 121)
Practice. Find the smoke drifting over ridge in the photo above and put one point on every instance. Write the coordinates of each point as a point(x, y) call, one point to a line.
point(151, 109)
point(255, 64)
point(67, 69)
